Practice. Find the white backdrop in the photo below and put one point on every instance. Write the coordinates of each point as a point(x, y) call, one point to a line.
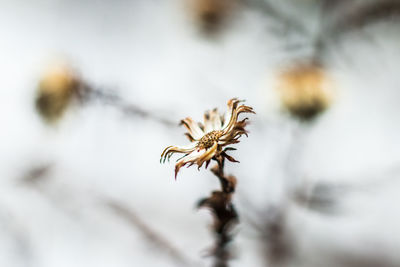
point(153, 56)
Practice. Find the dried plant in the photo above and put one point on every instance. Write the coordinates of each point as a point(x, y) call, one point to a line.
point(362, 15)
point(59, 85)
point(279, 17)
point(304, 90)
point(210, 15)
point(152, 236)
point(276, 240)
point(210, 141)
point(110, 98)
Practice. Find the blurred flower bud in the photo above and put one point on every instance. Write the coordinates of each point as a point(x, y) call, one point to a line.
point(58, 86)
point(305, 90)
point(211, 14)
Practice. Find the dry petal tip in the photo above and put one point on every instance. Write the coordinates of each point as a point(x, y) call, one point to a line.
point(177, 167)
point(207, 163)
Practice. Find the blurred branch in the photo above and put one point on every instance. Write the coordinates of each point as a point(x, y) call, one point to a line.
point(37, 179)
point(129, 109)
point(374, 259)
point(37, 174)
point(267, 8)
point(355, 17)
point(20, 237)
point(151, 235)
point(361, 16)
point(325, 196)
point(321, 197)
point(270, 224)
point(330, 5)
point(61, 84)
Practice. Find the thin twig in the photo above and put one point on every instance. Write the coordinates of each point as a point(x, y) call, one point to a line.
point(37, 179)
point(324, 196)
point(356, 17)
point(112, 99)
point(271, 11)
point(151, 235)
point(270, 227)
point(370, 13)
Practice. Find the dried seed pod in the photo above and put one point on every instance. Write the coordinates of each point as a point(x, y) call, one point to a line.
point(58, 86)
point(211, 14)
point(305, 90)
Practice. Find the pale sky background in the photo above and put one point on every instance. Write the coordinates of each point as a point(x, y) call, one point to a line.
point(153, 56)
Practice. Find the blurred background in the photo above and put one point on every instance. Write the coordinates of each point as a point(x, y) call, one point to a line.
point(93, 91)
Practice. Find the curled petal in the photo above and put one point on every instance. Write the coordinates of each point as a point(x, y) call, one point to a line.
point(193, 128)
point(242, 123)
point(168, 151)
point(208, 126)
point(189, 158)
point(229, 142)
point(207, 163)
point(232, 104)
point(190, 137)
point(201, 126)
point(235, 113)
point(215, 120)
point(230, 158)
point(245, 109)
point(207, 155)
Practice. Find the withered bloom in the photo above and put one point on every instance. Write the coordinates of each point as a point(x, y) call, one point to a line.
point(210, 140)
point(305, 90)
point(55, 91)
point(211, 14)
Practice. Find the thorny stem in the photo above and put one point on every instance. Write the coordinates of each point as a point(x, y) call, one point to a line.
point(224, 212)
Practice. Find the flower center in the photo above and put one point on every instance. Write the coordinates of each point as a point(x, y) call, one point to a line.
point(208, 139)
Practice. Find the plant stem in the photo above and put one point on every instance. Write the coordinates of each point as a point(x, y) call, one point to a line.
point(224, 213)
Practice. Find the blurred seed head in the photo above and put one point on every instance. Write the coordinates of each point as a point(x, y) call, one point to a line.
point(305, 90)
point(58, 86)
point(210, 15)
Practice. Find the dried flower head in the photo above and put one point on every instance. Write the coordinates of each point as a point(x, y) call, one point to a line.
point(55, 91)
point(304, 90)
point(211, 14)
point(210, 140)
